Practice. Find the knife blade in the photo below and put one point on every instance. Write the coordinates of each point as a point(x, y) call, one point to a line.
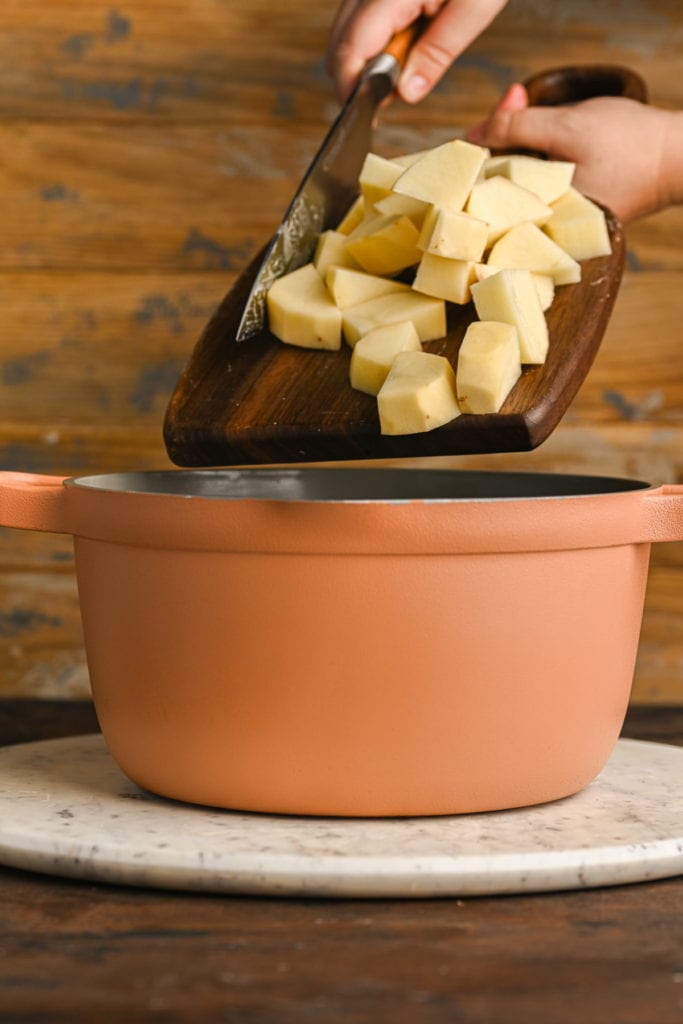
point(328, 188)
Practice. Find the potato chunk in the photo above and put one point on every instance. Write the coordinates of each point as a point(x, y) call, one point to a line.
point(579, 227)
point(350, 287)
point(374, 354)
point(377, 177)
point(403, 206)
point(457, 236)
point(331, 251)
point(427, 314)
point(386, 245)
point(511, 298)
point(445, 279)
point(488, 366)
point(301, 312)
point(353, 216)
point(418, 394)
point(444, 176)
point(502, 204)
point(526, 247)
point(548, 179)
point(545, 286)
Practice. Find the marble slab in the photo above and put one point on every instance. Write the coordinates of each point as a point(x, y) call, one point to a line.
point(66, 809)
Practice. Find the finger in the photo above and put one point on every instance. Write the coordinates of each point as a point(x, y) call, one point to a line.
point(451, 31)
point(515, 98)
point(347, 9)
point(540, 128)
point(364, 33)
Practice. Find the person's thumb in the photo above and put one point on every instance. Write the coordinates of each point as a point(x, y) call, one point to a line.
point(537, 128)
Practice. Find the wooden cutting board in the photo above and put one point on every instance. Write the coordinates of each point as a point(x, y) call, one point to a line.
point(260, 401)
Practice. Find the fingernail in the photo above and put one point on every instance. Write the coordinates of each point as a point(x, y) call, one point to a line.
point(414, 88)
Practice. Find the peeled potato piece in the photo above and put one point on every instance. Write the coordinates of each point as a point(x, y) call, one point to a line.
point(377, 177)
point(545, 286)
point(418, 394)
point(386, 245)
point(457, 236)
point(427, 314)
point(374, 354)
point(353, 216)
point(445, 279)
point(301, 312)
point(444, 175)
point(331, 251)
point(579, 227)
point(403, 206)
point(548, 179)
point(502, 204)
point(510, 297)
point(350, 287)
point(488, 366)
point(526, 247)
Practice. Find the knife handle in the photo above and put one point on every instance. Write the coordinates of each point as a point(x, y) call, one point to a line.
point(403, 42)
point(566, 85)
point(391, 61)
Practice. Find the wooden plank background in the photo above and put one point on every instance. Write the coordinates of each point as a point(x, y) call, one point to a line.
point(148, 148)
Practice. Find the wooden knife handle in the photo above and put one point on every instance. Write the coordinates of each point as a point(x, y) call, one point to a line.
point(566, 85)
point(403, 42)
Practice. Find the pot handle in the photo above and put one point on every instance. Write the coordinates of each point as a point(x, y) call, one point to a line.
point(29, 501)
point(664, 508)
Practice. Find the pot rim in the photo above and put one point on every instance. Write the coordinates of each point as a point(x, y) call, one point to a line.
point(357, 486)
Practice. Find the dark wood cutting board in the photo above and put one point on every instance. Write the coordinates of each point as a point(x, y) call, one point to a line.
point(260, 401)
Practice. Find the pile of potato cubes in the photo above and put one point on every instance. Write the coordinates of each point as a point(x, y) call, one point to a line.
point(501, 231)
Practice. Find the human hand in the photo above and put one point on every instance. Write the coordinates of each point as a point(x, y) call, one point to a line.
point(362, 29)
point(628, 156)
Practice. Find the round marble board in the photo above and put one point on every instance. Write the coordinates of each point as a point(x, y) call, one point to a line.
point(66, 809)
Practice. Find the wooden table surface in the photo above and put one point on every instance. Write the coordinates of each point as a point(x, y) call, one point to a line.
point(74, 951)
point(149, 147)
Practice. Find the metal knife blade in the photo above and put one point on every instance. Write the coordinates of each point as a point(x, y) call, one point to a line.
point(327, 190)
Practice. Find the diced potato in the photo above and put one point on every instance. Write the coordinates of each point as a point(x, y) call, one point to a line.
point(301, 312)
point(374, 354)
point(526, 247)
point(403, 206)
point(457, 236)
point(502, 204)
point(445, 279)
point(377, 177)
point(408, 159)
point(388, 246)
point(579, 227)
point(488, 366)
point(443, 176)
point(367, 225)
point(353, 216)
point(492, 162)
point(351, 287)
point(418, 394)
point(331, 251)
point(510, 297)
point(548, 179)
point(427, 314)
point(545, 286)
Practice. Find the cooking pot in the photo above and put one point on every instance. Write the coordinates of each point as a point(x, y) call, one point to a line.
point(357, 641)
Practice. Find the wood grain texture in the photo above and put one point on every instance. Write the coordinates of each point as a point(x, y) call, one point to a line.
point(147, 150)
point(75, 951)
point(260, 401)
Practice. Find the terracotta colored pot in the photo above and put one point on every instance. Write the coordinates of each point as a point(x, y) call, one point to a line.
point(353, 641)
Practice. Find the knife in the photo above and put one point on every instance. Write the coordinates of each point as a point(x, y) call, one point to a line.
point(331, 182)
